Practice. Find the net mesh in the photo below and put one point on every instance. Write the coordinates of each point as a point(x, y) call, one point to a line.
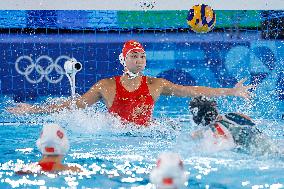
point(244, 43)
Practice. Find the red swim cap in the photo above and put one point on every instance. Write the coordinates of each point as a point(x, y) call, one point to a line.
point(132, 45)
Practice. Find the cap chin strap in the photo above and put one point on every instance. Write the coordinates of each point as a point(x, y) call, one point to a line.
point(130, 74)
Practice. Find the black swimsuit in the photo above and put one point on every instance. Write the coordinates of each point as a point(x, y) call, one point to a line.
point(242, 129)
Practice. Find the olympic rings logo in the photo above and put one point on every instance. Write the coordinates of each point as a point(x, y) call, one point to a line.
point(43, 73)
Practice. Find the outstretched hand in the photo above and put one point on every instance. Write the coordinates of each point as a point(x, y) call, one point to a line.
point(21, 108)
point(243, 91)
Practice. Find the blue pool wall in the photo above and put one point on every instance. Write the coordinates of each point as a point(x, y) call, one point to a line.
point(215, 60)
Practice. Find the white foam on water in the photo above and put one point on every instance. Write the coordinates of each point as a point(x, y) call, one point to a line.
point(97, 120)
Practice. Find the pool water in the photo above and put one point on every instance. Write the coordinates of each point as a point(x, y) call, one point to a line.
point(117, 156)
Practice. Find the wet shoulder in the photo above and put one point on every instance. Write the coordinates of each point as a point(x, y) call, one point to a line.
point(155, 86)
point(154, 81)
point(108, 82)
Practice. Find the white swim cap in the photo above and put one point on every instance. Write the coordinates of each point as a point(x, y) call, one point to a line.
point(169, 172)
point(53, 140)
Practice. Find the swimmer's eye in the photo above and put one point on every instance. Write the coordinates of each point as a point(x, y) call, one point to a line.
point(134, 56)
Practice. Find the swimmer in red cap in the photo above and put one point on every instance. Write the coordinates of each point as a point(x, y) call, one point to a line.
point(53, 144)
point(132, 96)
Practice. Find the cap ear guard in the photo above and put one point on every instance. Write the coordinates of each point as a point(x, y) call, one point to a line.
point(121, 59)
point(126, 71)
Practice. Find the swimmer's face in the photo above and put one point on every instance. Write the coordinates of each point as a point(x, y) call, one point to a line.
point(135, 61)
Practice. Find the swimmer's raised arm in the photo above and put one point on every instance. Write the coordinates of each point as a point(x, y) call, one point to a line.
point(89, 98)
point(193, 91)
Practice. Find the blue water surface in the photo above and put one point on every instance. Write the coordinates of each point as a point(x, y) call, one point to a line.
point(116, 156)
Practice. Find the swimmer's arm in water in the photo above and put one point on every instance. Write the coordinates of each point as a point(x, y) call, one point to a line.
point(61, 168)
point(72, 168)
point(193, 91)
point(89, 98)
point(21, 172)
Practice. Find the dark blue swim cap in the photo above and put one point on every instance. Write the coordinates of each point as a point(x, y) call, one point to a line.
point(204, 110)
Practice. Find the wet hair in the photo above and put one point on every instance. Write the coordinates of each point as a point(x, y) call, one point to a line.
point(204, 110)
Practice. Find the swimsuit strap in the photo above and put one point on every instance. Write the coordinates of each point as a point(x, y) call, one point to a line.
point(119, 86)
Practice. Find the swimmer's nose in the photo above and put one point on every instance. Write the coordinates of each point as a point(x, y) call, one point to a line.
point(140, 63)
